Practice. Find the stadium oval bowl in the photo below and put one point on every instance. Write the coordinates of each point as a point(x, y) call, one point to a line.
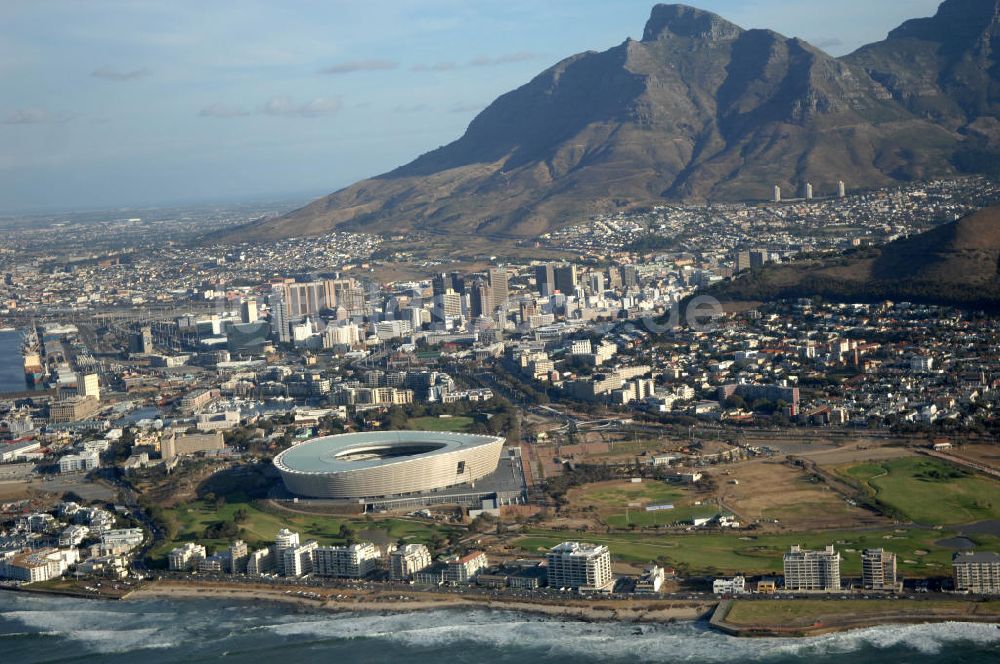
point(381, 464)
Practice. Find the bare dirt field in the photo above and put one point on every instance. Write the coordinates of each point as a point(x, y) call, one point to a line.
point(857, 452)
point(773, 490)
point(14, 490)
point(986, 454)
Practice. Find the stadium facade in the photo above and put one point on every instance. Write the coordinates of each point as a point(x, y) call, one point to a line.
point(383, 465)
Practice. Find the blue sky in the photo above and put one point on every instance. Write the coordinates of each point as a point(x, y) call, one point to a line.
point(132, 102)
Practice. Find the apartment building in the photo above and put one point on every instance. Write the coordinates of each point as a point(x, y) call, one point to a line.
point(977, 572)
point(810, 570)
point(878, 569)
point(580, 565)
point(354, 561)
point(464, 569)
point(407, 560)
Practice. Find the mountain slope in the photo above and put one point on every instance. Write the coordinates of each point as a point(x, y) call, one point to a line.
point(956, 263)
point(698, 109)
point(947, 68)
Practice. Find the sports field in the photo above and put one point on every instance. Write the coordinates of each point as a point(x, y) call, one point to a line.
point(927, 490)
point(622, 503)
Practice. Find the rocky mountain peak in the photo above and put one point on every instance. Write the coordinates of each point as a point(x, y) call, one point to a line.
point(666, 21)
point(955, 20)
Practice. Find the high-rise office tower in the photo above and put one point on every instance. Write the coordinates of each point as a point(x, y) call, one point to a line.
point(482, 299)
point(88, 385)
point(448, 305)
point(841, 189)
point(309, 298)
point(443, 282)
point(565, 278)
point(141, 342)
point(498, 284)
point(630, 276)
point(809, 191)
point(777, 194)
point(248, 311)
point(279, 317)
point(545, 279)
point(597, 282)
point(614, 278)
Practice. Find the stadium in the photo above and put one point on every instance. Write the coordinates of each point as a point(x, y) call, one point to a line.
point(381, 465)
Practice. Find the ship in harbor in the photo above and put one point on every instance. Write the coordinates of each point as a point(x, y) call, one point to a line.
point(31, 351)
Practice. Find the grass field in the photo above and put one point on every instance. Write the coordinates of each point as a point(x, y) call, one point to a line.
point(430, 423)
point(927, 490)
point(730, 553)
point(261, 526)
point(611, 501)
point(805, 612)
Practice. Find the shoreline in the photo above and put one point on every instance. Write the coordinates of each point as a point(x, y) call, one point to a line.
point(625, 611)
point(634, 611)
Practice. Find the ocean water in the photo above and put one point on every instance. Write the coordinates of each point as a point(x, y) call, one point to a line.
point(52, 629)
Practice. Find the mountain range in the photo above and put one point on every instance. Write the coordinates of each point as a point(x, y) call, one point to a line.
point(957, 263)
point(698, 109)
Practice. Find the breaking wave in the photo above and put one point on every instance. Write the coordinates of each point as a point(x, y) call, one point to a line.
point(211, 629)
point(612, 641)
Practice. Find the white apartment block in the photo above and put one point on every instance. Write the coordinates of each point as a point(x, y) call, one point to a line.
point(878, 569)
point(807, 570)
point(977, 572)
point(464, 569)
point(74, 463)
point(73, 535)
point(580, 565)
point(354, 561)
point(121, 540)
point(186, 557)
point(38, 565)
point(260, 562)
point(734, 586)
point(298, 561)
point(407, 560)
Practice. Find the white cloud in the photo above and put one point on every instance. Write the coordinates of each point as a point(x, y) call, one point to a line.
point(310, 109)
point(112, 74)
point(276, 107)
point(359, 65)
point(36, 115)
point(505, 59)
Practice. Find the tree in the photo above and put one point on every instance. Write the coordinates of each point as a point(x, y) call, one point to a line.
point(735, 401)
